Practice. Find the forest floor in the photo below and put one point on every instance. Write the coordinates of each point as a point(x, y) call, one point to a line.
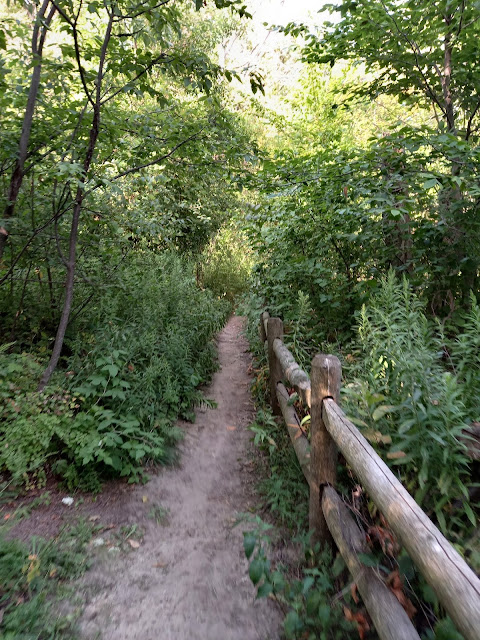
point(185, 575)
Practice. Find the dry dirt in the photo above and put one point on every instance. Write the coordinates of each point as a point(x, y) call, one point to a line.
point(189, 577)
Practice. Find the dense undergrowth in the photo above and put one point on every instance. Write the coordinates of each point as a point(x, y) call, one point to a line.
point(410, 385)
point(361, 232)
point(137, 357)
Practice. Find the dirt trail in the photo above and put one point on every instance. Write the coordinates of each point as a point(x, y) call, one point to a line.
point(188, 579)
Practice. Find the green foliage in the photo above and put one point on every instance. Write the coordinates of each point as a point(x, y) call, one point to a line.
point(118, 412)
point(313, 607)
point(226, 263)
point(463, 352)
point(32, 575)
point(404, 390)
point(283, 487)
point(406, 47)
point(335, 221)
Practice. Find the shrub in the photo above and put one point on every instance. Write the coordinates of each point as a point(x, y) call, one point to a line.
point(226, 263)
point(137, 360)
point(405, 387)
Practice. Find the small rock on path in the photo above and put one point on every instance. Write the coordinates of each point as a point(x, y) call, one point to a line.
point(189, 577)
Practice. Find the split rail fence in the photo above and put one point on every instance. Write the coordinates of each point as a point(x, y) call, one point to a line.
point(455, 584)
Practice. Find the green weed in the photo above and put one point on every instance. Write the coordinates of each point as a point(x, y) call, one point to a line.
point(33, 576)
point(160, 514)
point(313, 601)
point(283, 486)
point(405, 390)
point(226, 263)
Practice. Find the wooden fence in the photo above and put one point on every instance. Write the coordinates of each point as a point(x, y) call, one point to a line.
point(455, 584)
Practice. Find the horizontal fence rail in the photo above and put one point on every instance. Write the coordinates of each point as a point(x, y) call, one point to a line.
point(455, 584)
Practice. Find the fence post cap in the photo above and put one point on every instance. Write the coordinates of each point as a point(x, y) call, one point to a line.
point(325, 361)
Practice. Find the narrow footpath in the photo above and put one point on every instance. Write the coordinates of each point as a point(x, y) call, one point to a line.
point(188, 579)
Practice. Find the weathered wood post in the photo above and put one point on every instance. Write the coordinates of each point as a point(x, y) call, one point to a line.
point(261, 328)
point(274, 331)
point(325, 380)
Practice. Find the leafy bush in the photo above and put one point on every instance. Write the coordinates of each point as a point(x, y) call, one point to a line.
point(226, 263)
point(403, 384)
point(138, 358)
point(464, 356)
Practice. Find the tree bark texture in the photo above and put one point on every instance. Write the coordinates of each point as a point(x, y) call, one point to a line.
point(38, 41)
point(293, 373)
point(298, 438)
point(274, 330)
point(325, 380)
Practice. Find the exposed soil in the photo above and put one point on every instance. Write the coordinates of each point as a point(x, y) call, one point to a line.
point(47, 515)
point(188, 578)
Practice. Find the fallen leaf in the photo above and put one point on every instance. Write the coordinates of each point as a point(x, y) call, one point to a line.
point(386, 539)
point(94, 518)
point(231, 428)
point(133, 543)
point(144, 499)
point(359, 618)
point(160, 565)
point(353, 591)
point(53, 573)
point(7, 516)
point(395, 583)
point(376, 436)
point(396, 455)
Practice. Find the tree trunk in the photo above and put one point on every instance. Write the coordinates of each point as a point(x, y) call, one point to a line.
point(77, 208)
point(38, 40)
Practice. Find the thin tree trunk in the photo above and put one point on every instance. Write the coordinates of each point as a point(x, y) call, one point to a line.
point(447, 76)
point(77, 208)
point(38, 40)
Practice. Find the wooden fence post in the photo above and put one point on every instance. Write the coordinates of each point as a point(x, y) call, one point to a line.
point(325, 380)
point(261, 328)
point(274, 331)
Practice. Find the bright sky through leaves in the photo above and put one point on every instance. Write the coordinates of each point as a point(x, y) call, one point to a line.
point(283, 11)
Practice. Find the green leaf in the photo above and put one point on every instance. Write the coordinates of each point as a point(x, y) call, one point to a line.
point(112, 369)
point(308, 583)
point(471, 516)
point(338, 566)
point(255, 570)
point(441, 520)
point(264, 590)
point(324, 611)
point(249, 542)
point(292, 624)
